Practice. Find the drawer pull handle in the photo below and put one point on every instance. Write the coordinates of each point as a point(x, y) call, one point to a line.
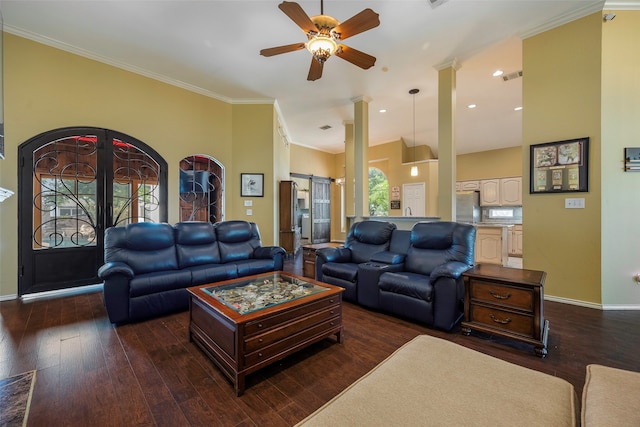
point(260, 340)
point(498, 296)
point(259, 354)
point(259, 325)
point(501, 321)
point(331, 301)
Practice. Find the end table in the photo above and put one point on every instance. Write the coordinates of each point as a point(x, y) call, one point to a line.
point(508, 302)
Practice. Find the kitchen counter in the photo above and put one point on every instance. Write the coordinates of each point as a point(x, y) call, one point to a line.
point(402, 222)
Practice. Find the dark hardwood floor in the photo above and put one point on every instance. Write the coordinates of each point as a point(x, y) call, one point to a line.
point(90, 373)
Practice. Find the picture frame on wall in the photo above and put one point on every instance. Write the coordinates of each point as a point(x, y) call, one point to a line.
point(560, 166)
point(251, 185)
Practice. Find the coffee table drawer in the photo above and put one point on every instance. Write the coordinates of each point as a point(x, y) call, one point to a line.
point(503, 320)
point(282, 331)
point(264, 324)
point(277, 347)
point(502, 295)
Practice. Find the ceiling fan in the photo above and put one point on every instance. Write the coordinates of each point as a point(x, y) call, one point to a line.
point(324, 34)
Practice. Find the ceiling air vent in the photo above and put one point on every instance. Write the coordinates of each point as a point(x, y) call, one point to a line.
point(511, 76)
point(325, 127)
point(436, 3)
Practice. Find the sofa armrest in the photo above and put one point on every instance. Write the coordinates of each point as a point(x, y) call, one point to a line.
point(452, 270)
point(339, 254)
point(267, 252)
point(387, 257)
point(112, 268)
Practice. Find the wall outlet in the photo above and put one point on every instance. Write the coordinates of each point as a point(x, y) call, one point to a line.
point(574, 203)
point(249, 212)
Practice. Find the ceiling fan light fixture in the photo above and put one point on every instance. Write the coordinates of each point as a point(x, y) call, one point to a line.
point(321, 47)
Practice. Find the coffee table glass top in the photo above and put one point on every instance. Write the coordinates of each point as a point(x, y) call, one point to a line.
point(246, 296)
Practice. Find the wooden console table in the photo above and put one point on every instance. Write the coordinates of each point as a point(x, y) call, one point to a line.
point(508, 302)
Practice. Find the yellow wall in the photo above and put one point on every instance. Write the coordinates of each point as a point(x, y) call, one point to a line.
point(46, 88)
point(503, 163)
point(253, 152)
point(561, 100)
point(307, 161)
point(621, 190)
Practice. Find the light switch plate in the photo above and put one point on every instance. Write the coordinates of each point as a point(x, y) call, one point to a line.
point(574, 203)
point(248, 202)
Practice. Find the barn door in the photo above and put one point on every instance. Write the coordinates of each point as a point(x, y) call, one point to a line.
point(320, 210)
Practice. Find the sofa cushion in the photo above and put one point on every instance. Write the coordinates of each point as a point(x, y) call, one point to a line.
point(159, 281)
point(367, 238)
point(201, 274)
point(254, 266)
point(345, 271)
point(410, 284)
point(145, 246)
point(237, 240)
point(436, 243)
point(196, 244)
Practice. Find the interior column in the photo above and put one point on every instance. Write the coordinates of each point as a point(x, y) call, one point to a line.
point(361, 155)
point(446, 142)
point(349, 177)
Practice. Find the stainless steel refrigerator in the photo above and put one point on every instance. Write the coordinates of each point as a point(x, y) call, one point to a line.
point(468, 206)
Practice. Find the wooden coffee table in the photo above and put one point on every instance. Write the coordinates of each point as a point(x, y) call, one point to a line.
point(248, 323)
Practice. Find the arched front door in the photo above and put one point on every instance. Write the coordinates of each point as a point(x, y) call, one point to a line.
point(74, 183)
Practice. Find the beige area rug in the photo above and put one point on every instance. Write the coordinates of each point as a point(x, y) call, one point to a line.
point(15, 399)
point(434, 382)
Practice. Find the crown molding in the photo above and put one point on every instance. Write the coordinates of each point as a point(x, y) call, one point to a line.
point(563, 19)
point(622, 5)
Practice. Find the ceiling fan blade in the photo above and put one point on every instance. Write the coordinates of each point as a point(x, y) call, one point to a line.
point(281, 49)
point(363, 21)
point(295, 12)
point(315, 70)
point(356, 57)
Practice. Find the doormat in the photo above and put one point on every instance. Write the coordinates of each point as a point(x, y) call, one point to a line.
point(15, 399)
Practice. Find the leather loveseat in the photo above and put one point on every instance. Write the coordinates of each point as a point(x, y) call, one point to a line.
point(148, 266)
point(416, 274)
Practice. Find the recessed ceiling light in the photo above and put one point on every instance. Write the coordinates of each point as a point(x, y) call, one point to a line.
point(498, 73)
point(471, 106)
point(518, 108)
point(382, 111)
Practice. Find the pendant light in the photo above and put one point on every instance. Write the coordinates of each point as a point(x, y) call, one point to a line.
point(414, 168)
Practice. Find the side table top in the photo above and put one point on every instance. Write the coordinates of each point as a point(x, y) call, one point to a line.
point(508, 274)
point(316, 246)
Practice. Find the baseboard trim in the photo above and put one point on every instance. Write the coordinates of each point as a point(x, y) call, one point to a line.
point(573, 302)
point(8, 297)
point(603, 307)
point(63, 292)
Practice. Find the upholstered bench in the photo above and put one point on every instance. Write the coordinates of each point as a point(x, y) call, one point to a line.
point(609, 397)
point(430, 381)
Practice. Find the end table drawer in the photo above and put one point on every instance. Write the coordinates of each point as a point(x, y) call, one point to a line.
point(506, 296)
point(503, 320)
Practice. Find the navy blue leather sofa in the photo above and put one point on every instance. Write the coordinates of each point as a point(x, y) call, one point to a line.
point(415, 274)
point(148, 266)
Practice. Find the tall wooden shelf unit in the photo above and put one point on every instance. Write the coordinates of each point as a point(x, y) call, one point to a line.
point(289, 230)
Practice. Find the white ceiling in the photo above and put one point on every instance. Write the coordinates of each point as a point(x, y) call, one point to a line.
point(212, 47)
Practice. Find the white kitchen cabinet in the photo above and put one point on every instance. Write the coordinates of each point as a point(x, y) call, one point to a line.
point(470, 185)
point(491, 245)
point(490, 192)
point(501, 192)
point(511, 191)
point(514, 237)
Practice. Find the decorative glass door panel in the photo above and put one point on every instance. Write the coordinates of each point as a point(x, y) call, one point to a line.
point(73, 185)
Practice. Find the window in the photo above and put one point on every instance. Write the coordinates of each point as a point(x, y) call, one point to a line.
point(378, 193)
